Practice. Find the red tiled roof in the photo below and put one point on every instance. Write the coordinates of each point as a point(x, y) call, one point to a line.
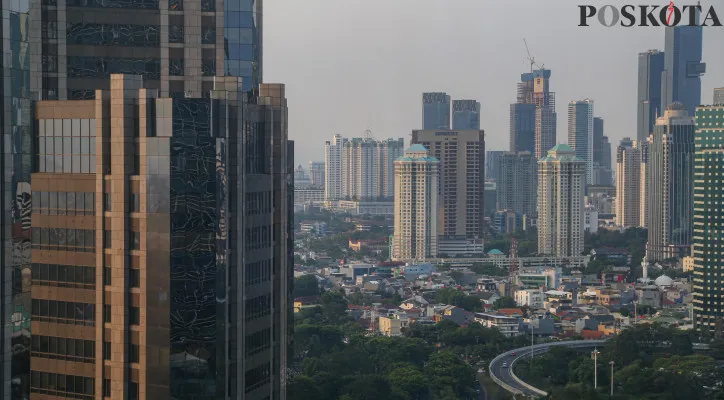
point(588, 334)
point(510, 311)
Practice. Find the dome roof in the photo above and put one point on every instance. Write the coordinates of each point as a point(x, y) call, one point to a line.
point(664, 280)
point(495, 252)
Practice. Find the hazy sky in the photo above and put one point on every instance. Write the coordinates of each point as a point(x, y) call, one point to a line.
point(352, 65)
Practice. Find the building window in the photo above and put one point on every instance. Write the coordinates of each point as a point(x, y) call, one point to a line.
point(135, 202)
point(135, 240)
point(133, 353)
point(132, 391)
point(106, 350)
point(106, 388)
point(107, 240)
point(107, 201)
point(134, 316)
point(63, 312)
point(107, 276)
point(107, 313)
point(134, 276)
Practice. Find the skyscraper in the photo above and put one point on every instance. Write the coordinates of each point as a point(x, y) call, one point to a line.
point(368, 168)
point(492, 161)
point(465, 115)
point(17, 138)
point(333, 168)
point(534, 88)
point(651, 67)
point(522, 127)
point(416, 208)
point(516, 183)
point(628, 184)
point(580, 133)
point(670, 176)
point(561, 184)
point(718, 96)
point(601, 155)
point(708, 277)
point(681, 79)
point(643, 187)
point(462, 184)
point(160, 245)
point(436, 110)
point(316, 173)
point(178, 47)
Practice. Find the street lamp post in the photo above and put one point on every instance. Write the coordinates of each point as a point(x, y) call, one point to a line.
point(611, 378)
point(595, 368)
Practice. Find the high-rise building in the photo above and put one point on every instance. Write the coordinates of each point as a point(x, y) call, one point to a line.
point(681, 79)
point(601, 155)
point(17, 129)
point(436, 110)
point(416, 208)
point(718, 96)
point(333, 150)
point(522, 127)
point(462, 185)
point(561, 184)
point(669, 180)
point(708, 277)
point(178, 47)
point(465, 115)
point(534, 88)
point(368, 168)
point(516, 183)
point(628, 184)
point(492, 160)
point(580, 133)
point(651, 67)
point(643, 187)
point(316, 173)
point(160, 269)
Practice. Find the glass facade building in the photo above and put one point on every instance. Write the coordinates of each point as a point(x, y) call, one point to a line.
point(681, 79)
point(708, 279)
point(162, 234)
point(465, 115)
point(435, 110)
point(177, 46)
point(651, 67)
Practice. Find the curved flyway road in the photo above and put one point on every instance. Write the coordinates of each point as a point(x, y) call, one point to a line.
point(506, 378)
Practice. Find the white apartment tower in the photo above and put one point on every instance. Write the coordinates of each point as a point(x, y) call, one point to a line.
point(368, 168)
point(628, 184)
point(416, 207)
point(561, 183)
point(580, 133)
point(333, 168)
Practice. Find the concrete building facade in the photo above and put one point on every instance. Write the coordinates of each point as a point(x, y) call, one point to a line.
point(580, 133)
point(516, 183)
point(333, 150)
point(628, 184)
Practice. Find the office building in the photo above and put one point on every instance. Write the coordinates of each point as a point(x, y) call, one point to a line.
point(491, 198)
point(681, 79)
point(492, 160)
point(602, 175)
point(507, 221)
point(333, 150)
point(669, 180)
point(368, 168)
point(643, 187)
point(416, 205)
point(561, 183)
point(178, 47)
point(718, 96)
point(158, 269)
point(522, 127)
point(17, 138)
point(435, 110)
point(534, 88)
point(651, 67)
point(316, 173)
point(461, 223)
point(516, 183)
point(580, 133)
point(628, 184)
point(465, 115)
point(708, 256)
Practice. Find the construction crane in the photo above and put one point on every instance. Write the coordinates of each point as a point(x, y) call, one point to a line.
point(531, 59)
point(513, 268)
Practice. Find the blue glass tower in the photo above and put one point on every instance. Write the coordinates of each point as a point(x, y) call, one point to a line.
point(465, 115)
point(681, 79)
point(651, 67)
point(435, 110)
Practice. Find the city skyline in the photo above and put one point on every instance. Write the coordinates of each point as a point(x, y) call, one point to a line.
point(392, 113)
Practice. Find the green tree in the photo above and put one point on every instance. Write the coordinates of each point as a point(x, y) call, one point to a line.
point(306, 285)
point(409, 379)
point(303, 387)
point(504, 302)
